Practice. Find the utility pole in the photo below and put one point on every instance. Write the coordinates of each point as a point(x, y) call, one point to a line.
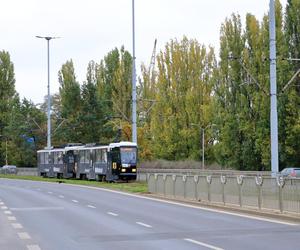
point(273, 91)
point(134, 130)
point(48, 38)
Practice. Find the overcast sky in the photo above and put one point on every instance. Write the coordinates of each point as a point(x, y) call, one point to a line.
point(89, 29)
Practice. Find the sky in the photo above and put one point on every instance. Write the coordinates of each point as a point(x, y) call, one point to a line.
point(89, 29)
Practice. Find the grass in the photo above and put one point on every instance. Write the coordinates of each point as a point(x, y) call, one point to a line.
point(132, 187)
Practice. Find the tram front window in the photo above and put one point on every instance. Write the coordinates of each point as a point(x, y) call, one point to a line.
point(128, 155)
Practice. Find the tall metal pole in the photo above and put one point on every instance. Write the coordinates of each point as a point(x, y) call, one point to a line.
point(49, 100)
point(273, 91)
point(203, 145)
point(134, 130)
point(48, 38)
point(6, 161)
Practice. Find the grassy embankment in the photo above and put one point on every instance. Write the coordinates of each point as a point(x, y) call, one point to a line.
point(132, 187)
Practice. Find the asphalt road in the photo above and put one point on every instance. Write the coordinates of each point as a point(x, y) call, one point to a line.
point(50, 216)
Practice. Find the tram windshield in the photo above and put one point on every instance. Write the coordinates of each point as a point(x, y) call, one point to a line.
point(128, 155)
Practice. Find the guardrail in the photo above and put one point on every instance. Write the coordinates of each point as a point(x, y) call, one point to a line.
point(279, 194)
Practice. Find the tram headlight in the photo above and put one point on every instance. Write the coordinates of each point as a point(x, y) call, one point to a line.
point(123, 170)
point(134, 170)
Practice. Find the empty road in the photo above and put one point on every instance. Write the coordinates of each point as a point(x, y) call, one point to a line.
point(50, 216)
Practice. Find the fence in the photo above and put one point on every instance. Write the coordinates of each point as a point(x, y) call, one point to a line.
point(257, 192)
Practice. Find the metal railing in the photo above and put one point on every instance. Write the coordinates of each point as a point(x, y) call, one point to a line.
point(258, 192)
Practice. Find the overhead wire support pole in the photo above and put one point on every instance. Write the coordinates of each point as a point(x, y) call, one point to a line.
point(273, 92)
point(134, 127)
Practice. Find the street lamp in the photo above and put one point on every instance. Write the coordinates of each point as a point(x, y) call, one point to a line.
point(134, 130)
point(48, 38)
point(203, 144)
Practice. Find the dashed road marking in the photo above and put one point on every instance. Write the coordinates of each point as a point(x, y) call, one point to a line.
point(4, 207)
point(7, 212)
point(143, 224)
point(49, 192)
point(1, 203)
point(203, 244)
point(11, 218)
point(90, 206)
point(61, 196)
point(24, 236)
point(16, 225)
point(33, 247)
point(112, 214)
point(75, 201)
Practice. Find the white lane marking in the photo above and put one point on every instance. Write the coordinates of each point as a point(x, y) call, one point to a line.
point(76, 201)
point(204, 244)
point(7, 212)
point(50, 192)
point(192, 206)
point(1, 203)
point(24, 236)
point(38, 189)
point(112, 214)
point(143, 224)
point(16, 225)
point(33, 247)
point(61, 196)
point(11, 218)
point(4, 208)
point(36, 208)
point(90, 206)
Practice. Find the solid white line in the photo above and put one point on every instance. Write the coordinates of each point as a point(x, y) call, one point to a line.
point(11, 218)
point(33, 247)
point(76, 201)
point(143, 224)
point(112, 214)
point(192, 206)
point(16, 225)
point(24, 236)
point(204, 244)
point(4, 208)
point(36, 208)
point(61, 196)
point(7, 212)
point(90, 206)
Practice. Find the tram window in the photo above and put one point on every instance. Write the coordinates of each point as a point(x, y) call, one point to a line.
point(60, 158)
point(104, 155)
point(46, 158)
point(81, 155)
point(98, 155)
point(87, 156)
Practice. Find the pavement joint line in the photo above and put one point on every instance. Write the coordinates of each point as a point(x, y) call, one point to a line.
point(75, 201)
point(143, 224)
point(112, 214)
point(11, 218)
point(91, 206)
point(24, 236)
point(192, 206)
point(33, 247)
point(203, 244)
point(16, 225)
point(7, 212)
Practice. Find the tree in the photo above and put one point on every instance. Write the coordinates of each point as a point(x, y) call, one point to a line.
point(70, 104)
